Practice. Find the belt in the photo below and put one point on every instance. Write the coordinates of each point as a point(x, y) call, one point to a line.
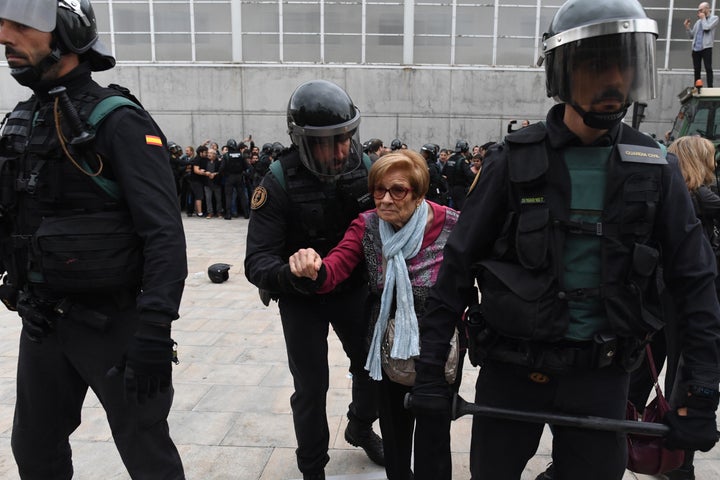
point(557, 357)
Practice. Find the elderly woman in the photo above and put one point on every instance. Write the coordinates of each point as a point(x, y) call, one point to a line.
point(400, 243)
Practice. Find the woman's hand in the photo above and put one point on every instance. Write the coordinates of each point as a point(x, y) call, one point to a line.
point(305, 262)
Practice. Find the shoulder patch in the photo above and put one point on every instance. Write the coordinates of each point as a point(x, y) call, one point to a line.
point(641, 154)
point(259, 197)
point(153, 140)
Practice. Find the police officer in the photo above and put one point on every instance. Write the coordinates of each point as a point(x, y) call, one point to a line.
point(234, 169)
point(308, 199)
point(94, 269)
point(437, 192)
point(567, 231)
point(458, 173)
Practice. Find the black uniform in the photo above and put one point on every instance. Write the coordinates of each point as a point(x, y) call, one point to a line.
point(79, 323)
point(459, 178)
point(438, 189)
point(303, 213)
point(235, 171)
point(515, 222)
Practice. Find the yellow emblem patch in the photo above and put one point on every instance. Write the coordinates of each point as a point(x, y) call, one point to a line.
point(259, 197)
point(538, 377)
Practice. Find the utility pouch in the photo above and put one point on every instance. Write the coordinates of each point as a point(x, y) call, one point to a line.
point(521, 304)
point(83, 315)
point(88, 253)
point(480, 337)
point(634, 309)
point(606, 349)
point(8, 174)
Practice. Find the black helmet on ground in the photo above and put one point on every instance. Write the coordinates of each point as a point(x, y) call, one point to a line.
point(218, 272)
point(323, 124)
point(73, 27)
point(600, 35)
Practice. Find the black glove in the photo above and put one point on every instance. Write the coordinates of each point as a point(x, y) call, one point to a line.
point(431, 394)
point(37, 321)
point(9, 296)
point(697, 430)
point(147, 364)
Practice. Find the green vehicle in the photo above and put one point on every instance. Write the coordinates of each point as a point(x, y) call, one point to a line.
point(699, 114)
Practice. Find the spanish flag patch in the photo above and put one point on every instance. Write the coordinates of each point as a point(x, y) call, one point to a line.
point(153, 140)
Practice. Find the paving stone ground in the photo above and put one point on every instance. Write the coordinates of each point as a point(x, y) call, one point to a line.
point(231, 418)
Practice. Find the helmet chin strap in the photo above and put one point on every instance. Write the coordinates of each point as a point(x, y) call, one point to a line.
point(30, 75)
point(601, 121)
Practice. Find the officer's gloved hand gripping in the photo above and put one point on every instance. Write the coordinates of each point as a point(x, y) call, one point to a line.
point(147, 364)
point(698, 429)
point(431, 394)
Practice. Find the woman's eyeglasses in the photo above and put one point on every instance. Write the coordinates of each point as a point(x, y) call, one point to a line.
point(396, 192)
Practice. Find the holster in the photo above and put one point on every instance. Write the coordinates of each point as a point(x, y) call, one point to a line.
point(481, 339)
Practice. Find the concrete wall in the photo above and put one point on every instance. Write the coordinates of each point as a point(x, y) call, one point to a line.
point(418, 105)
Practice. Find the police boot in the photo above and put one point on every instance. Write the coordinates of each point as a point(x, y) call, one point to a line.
point(359, 434)
point(548, 474)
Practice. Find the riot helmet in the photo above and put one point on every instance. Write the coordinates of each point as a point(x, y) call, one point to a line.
point(396, 144)
point(74, 29)
point(594, 37)
point(461, 146)
point(323, 124)
point(174, 149)
point(429, 152)
point(276, 149)
point(218, 272)
point(231, 144)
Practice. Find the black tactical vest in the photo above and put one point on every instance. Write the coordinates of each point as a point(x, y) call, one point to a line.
point(235, 163)
point(38, 183)
point(321, 212)
point(524, 296)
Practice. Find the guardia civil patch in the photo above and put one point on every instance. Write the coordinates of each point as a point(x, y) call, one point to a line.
point(259, 197)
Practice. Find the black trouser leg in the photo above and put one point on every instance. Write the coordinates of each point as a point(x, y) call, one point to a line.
point(305, 327)
point(707, 61)
point(396, 426)
point(50, 395)
point(55, 375)
point(501, 448)
point(697, 64)
point(353, 331)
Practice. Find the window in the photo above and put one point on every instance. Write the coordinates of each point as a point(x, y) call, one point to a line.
point(459, 32)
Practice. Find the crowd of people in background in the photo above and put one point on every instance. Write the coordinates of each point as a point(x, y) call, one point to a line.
point(218, 182)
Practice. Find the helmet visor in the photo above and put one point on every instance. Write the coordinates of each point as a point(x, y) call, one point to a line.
point(330, 156)
point(630, 55)
point(38, 14)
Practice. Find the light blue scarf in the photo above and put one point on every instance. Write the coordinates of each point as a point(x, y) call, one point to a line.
point(398, 247)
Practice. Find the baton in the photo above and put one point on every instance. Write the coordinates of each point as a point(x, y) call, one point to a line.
point(460, 408)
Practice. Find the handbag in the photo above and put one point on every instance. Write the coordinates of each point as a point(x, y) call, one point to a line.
point(646, 454)
point(402, 371)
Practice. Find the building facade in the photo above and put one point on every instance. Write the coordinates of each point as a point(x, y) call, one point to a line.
point(419, 71)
